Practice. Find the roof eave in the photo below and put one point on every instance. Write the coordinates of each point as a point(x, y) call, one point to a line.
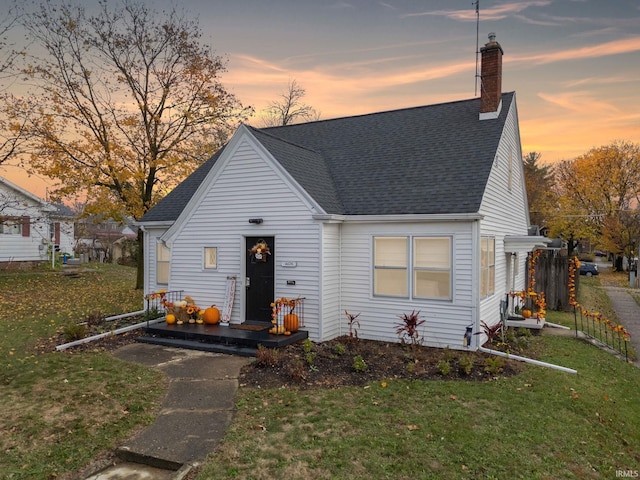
point(422, 218)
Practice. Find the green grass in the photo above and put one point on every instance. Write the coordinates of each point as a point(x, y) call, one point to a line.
point(60, 410)
point(539, 424)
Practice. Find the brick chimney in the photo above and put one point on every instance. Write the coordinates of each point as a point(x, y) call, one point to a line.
point(491, 79)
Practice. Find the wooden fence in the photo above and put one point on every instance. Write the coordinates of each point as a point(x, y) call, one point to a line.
point(552, 278)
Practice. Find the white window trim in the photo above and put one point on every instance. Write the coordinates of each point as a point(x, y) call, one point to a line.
point(487, 268)
point(11, 226)
point(205, 258)
point(160, 281)
point(406, 268)
point(411, 269)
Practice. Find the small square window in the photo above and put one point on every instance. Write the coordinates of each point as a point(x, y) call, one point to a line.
point(211, 257)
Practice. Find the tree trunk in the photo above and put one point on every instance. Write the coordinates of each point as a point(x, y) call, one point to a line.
point(140, 266)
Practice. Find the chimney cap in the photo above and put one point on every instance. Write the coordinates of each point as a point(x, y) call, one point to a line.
point(492, 43)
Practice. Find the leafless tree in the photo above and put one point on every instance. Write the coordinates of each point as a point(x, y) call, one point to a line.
point(289, 109)
point(11, 131)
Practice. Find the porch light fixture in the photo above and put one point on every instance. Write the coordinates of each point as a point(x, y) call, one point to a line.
point(256, 221)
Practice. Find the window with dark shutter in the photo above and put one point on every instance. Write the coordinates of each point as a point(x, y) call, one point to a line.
point(26, 226)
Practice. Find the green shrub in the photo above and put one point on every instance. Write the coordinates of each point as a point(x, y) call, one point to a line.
point(307, 345)
point(444, 367)
point(74, 331)
point(493, 365)
point(359, 365)
point(465, 364)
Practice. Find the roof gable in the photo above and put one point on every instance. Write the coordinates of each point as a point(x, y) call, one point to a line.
point(11, 189)
point(424, 160)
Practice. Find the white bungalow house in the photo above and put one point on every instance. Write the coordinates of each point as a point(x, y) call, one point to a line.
point(30, 227)
point(420, 209)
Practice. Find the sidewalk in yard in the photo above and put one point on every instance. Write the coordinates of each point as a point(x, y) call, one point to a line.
point(194, 416)
point(628, 313)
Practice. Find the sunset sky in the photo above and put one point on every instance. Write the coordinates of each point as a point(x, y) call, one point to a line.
point(574, 64)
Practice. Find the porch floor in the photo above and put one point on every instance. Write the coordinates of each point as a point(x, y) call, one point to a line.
point(216, 338)
point(531, 322)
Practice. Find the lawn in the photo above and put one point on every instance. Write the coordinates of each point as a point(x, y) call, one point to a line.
point(61, 410)
point(539, 424)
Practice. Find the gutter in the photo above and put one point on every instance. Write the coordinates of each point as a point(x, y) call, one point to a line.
point(418, 217)
point(527, 360)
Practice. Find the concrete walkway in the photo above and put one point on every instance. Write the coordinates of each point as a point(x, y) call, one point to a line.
point(628, 313)
point(195, 413)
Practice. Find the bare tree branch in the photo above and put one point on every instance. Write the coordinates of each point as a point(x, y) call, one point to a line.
point(290, 108)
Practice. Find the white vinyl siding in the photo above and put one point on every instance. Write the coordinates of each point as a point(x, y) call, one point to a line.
point(332, 316)
point(446, 320)
point(505, 211)
point(27, 235)
point(249, 186)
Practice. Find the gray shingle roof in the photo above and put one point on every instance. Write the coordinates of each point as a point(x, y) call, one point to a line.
point(424, 160)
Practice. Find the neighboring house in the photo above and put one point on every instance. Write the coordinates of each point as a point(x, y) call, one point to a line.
point(419, 209)
point(30, 227)
point(104, 240)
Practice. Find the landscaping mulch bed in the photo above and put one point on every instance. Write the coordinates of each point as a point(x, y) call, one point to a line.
point(94, 326)
point(344, 361)
point(349, 362)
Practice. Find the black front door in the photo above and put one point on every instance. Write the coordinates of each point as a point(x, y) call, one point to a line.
point(260, 283)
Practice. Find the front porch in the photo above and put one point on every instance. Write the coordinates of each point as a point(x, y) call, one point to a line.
point(217, 338)
point(531, 322)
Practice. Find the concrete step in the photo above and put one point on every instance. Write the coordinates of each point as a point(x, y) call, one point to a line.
point(231, 349)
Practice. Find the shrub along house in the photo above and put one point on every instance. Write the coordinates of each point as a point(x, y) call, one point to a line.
point(419, 209)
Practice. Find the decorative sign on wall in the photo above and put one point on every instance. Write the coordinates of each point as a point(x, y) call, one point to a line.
point(289, 264)
point(229, 295)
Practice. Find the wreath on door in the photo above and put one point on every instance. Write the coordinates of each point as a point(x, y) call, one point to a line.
point(260, 251)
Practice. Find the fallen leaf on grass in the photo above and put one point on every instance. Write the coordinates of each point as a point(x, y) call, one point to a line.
point(413, 427)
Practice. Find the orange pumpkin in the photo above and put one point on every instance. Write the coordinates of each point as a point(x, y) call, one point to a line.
point(526, 313)
point(211, 315)
point(291, 322)
point(170, 318)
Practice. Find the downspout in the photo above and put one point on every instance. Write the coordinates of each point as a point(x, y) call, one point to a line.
point(527, 360)
point(340, 322)
point(475, 280)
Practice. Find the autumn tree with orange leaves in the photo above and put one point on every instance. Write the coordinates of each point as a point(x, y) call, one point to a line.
point(599, 193)
point(123, 104)
point(539, 184)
